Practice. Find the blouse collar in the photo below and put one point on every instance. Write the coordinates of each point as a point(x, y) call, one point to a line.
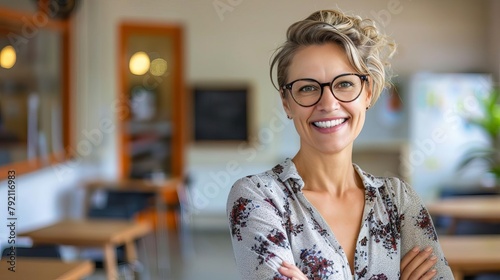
point(287, 171)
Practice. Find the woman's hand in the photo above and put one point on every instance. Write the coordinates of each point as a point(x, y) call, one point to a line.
point(417, 264)
point(291, 271)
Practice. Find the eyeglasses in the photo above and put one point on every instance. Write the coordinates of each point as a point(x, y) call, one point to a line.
point(345, 88)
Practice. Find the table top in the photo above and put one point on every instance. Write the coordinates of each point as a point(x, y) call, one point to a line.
point(46, 269)
point(473, 253)
point(484, 208)
point(90, 232)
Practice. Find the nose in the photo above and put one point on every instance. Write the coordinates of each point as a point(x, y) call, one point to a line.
point(328, 102)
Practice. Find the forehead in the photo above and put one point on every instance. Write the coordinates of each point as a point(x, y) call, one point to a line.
point(319, 62)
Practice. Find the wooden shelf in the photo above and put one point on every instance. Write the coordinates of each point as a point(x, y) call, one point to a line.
point(161, 128)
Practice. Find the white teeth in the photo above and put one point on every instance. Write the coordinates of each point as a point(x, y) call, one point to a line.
point(328, 124)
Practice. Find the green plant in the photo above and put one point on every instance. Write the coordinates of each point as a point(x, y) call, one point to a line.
point(489, 122)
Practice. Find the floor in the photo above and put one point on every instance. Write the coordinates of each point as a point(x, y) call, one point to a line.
point(193, 255)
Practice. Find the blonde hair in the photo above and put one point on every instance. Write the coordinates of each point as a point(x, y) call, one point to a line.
point(367, 49)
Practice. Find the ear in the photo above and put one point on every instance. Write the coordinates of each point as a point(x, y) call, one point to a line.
point(368, 90)
point(285, 103)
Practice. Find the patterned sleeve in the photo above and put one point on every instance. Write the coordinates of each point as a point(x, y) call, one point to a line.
point(417, 229)
point(259, 239)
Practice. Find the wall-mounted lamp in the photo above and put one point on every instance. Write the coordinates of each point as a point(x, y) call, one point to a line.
point(8, 57)
point(158, 67)
point(139, 63)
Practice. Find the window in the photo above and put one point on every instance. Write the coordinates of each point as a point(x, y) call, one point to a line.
point(34, 85)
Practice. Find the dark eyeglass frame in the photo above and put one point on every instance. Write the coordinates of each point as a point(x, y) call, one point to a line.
point(363, 78)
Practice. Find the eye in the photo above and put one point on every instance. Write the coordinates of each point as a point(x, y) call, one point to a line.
point(343, 84)
point(308, 88)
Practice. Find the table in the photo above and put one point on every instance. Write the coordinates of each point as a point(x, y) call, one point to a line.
point(475, 208)
point(469, 255)
point(46, 269)
point(480, 208)
point(165, 193)
point(107, 234)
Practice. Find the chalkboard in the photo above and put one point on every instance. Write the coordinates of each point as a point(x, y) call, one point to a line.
point(220, 114)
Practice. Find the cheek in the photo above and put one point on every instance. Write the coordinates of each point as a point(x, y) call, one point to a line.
point(361, 119)
point(302, 114)
point(356, 108)
point(294, 110)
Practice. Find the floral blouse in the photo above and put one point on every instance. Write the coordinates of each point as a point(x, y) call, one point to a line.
point(271, 221)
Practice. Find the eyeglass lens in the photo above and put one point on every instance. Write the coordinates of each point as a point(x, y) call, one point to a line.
point(345, 88)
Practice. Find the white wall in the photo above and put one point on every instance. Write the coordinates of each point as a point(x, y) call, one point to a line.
point(43, 197)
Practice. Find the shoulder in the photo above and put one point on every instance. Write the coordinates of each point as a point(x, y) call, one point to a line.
point(260, 182)
point(262, 186)
point(382, 185)
point(400, 189)
point(270, 182)
point(395, 184)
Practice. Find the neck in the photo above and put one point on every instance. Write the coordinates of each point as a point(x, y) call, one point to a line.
point(329, 173)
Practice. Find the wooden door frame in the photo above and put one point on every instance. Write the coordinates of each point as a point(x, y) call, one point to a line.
point(126, 29)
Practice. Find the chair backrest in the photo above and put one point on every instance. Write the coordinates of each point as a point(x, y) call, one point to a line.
point(121, 205)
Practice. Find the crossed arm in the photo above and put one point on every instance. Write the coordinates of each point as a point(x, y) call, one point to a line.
point(416, 264)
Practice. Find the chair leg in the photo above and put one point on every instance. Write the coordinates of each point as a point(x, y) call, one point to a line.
point(110, 262)
point(131, 251)
point(185, 234)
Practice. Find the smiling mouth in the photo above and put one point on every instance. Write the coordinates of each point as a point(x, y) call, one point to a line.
point(329, 124)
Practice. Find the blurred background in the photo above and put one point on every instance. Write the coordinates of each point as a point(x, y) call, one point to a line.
point(179, 90)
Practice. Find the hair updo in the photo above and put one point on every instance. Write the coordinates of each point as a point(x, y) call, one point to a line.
point(367, 49)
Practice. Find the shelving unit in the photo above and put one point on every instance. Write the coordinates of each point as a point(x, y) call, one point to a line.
point(152, 124)
point(149, 147)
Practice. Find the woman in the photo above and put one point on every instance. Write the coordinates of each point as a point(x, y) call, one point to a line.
point(318, 215)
